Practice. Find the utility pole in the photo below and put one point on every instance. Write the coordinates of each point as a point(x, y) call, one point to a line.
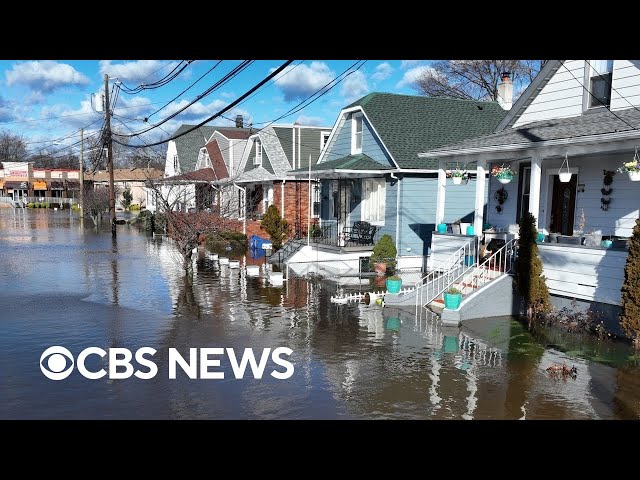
point(81, 175)
point(112, 193)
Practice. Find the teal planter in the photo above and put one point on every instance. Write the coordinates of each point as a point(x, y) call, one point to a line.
point(442, 228)
point(452, 301)
point(394, 286)
point(393, 324)
point(606, 243)
point(468, 260)
point(470, 230)
point(540, 238)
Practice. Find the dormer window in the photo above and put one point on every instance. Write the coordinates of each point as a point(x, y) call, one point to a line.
point(356, 133)
point(257, 160)
point(324, 138)
point(600, 83)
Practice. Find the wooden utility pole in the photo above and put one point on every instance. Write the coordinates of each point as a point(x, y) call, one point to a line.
point(112, 193)
point(81, 174)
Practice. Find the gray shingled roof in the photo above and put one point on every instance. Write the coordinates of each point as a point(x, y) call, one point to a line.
point(258, 174)
point(275, 152)
point(592, 123)
point(410, 124)
point(350, 162)
point(188, 146)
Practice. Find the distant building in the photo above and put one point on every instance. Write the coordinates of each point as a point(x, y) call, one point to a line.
point(133, 178)
point(22, 183)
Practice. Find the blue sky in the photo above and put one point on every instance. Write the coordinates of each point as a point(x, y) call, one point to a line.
point(45, 101)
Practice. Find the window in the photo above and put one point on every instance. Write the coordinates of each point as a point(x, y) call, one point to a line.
point(268, 197)
point(600, 83)
point(373, 200)
point(257, 160)
point(524, 185)
point(324, 138)
point(175, 163)
point(315, 199)
point(356, 138)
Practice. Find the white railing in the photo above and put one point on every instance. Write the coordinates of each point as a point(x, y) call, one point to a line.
point(448, 272)
point(50, 200)
point(499, 263)
point(6, 200)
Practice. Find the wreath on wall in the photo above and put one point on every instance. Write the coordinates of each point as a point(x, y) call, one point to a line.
point(606, 190)
point(500, 197)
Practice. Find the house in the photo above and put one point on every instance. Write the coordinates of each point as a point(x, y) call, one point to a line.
point(370, 172)
point(263, 176)
point(565, 137)
point(133, 179)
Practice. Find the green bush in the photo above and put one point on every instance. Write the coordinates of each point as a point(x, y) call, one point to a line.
point(159, 222)
point(145, 220)
point(453, 291)
point(45, 205)
point(529, 279)
point(134, 207)
point(30, 205)
point(630, 311)
point(276, 226)
point(75, 207)
point(384, 251)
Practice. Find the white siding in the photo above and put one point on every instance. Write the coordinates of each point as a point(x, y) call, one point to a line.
point(561, 97)
point(168, 164)
point(626, 84)
point(587, 273)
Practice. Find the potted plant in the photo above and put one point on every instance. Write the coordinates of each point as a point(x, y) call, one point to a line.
point(452, 298)
point(458, 175)
point(384, 254)
point(632, 168)
point(503, 173)
point(394, 284)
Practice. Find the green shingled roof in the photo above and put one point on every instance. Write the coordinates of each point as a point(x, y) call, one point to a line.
point(350, 162)
point(410, 124)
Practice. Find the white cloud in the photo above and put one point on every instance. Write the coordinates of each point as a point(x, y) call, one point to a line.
point(74, 118)
point(408, 63)
point(298, 82)
point(128, 106)
point(383, 71)
point(196, 111)
point(228, 95)
point(137, 71)
point(411, 75)
point(7, 113)
point(354, 86)
point(310, 120)
point(45, 76)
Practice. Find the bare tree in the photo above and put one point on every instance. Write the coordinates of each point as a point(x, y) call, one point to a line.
point(474, 79)
point(12, 148)
point(95, 202)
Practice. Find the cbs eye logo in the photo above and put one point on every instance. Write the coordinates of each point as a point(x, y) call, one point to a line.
point(59, 363)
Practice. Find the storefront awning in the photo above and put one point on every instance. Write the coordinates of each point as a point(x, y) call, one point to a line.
point(16, 185)
point(57, 185)
point(39, 185)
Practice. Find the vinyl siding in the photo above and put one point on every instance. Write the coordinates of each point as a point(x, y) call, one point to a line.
point(626, 84)
point(266, 164)
point(418, 197)
point(285, 135)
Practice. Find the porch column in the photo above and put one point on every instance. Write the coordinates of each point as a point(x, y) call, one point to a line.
point(481, 182)
point(442, 182)
point(534, 186)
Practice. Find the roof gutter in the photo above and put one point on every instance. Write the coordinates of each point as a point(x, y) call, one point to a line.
point(515, 147)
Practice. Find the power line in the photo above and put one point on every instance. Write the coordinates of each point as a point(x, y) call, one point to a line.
point(601, 102)
point(236, 71)
point(184, 91)
point(159, 83)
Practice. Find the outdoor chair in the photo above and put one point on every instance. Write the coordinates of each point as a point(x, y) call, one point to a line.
point(361, 233)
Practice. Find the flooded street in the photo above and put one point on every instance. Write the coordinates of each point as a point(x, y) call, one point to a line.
point(65, 284)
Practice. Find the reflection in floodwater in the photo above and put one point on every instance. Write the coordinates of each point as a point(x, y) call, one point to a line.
point(72, 286)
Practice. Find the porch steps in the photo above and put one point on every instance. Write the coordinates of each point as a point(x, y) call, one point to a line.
point(287, 251)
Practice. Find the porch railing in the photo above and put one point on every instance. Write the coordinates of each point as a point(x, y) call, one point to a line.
point(449, 271)
point(499, 263)
point(330, 235)
point(66, 201)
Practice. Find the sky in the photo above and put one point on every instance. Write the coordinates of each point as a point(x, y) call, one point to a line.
point(47, 102)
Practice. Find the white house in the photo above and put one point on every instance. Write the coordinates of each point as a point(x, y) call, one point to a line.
point(580, 118)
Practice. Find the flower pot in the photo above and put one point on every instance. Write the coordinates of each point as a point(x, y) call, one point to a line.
point(457, 180)
point(540, 237)
point(452, 301)
point(634, 176)
point(504, 180)
point(606, 243)
point(394, 286)
point(566, 239)
point(442, 228)
point(470, 230)
point(380, 268)
point(234, 264)
point(565, 177)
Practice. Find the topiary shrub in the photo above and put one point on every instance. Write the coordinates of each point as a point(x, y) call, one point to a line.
point(159, 222)
point(30, 205)
point(630, 311)
point(529, 280)
point(384, 251)
point(276, 226)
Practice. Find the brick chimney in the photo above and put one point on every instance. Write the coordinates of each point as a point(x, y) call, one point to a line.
point(239, 121)
point(505, 91)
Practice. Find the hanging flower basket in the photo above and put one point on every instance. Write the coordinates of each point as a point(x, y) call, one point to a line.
point(457, 180)
point(503, 173)
point(632, 168)
point(458, 176)
point(565, 176)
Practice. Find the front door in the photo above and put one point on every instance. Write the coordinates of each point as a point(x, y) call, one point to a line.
point(344, 206)
point(563, 205)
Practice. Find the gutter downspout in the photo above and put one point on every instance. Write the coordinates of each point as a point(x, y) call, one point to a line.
point(398, 218)
point(244, 214)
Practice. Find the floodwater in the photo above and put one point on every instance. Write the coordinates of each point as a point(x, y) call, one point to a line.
point(65, 284)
